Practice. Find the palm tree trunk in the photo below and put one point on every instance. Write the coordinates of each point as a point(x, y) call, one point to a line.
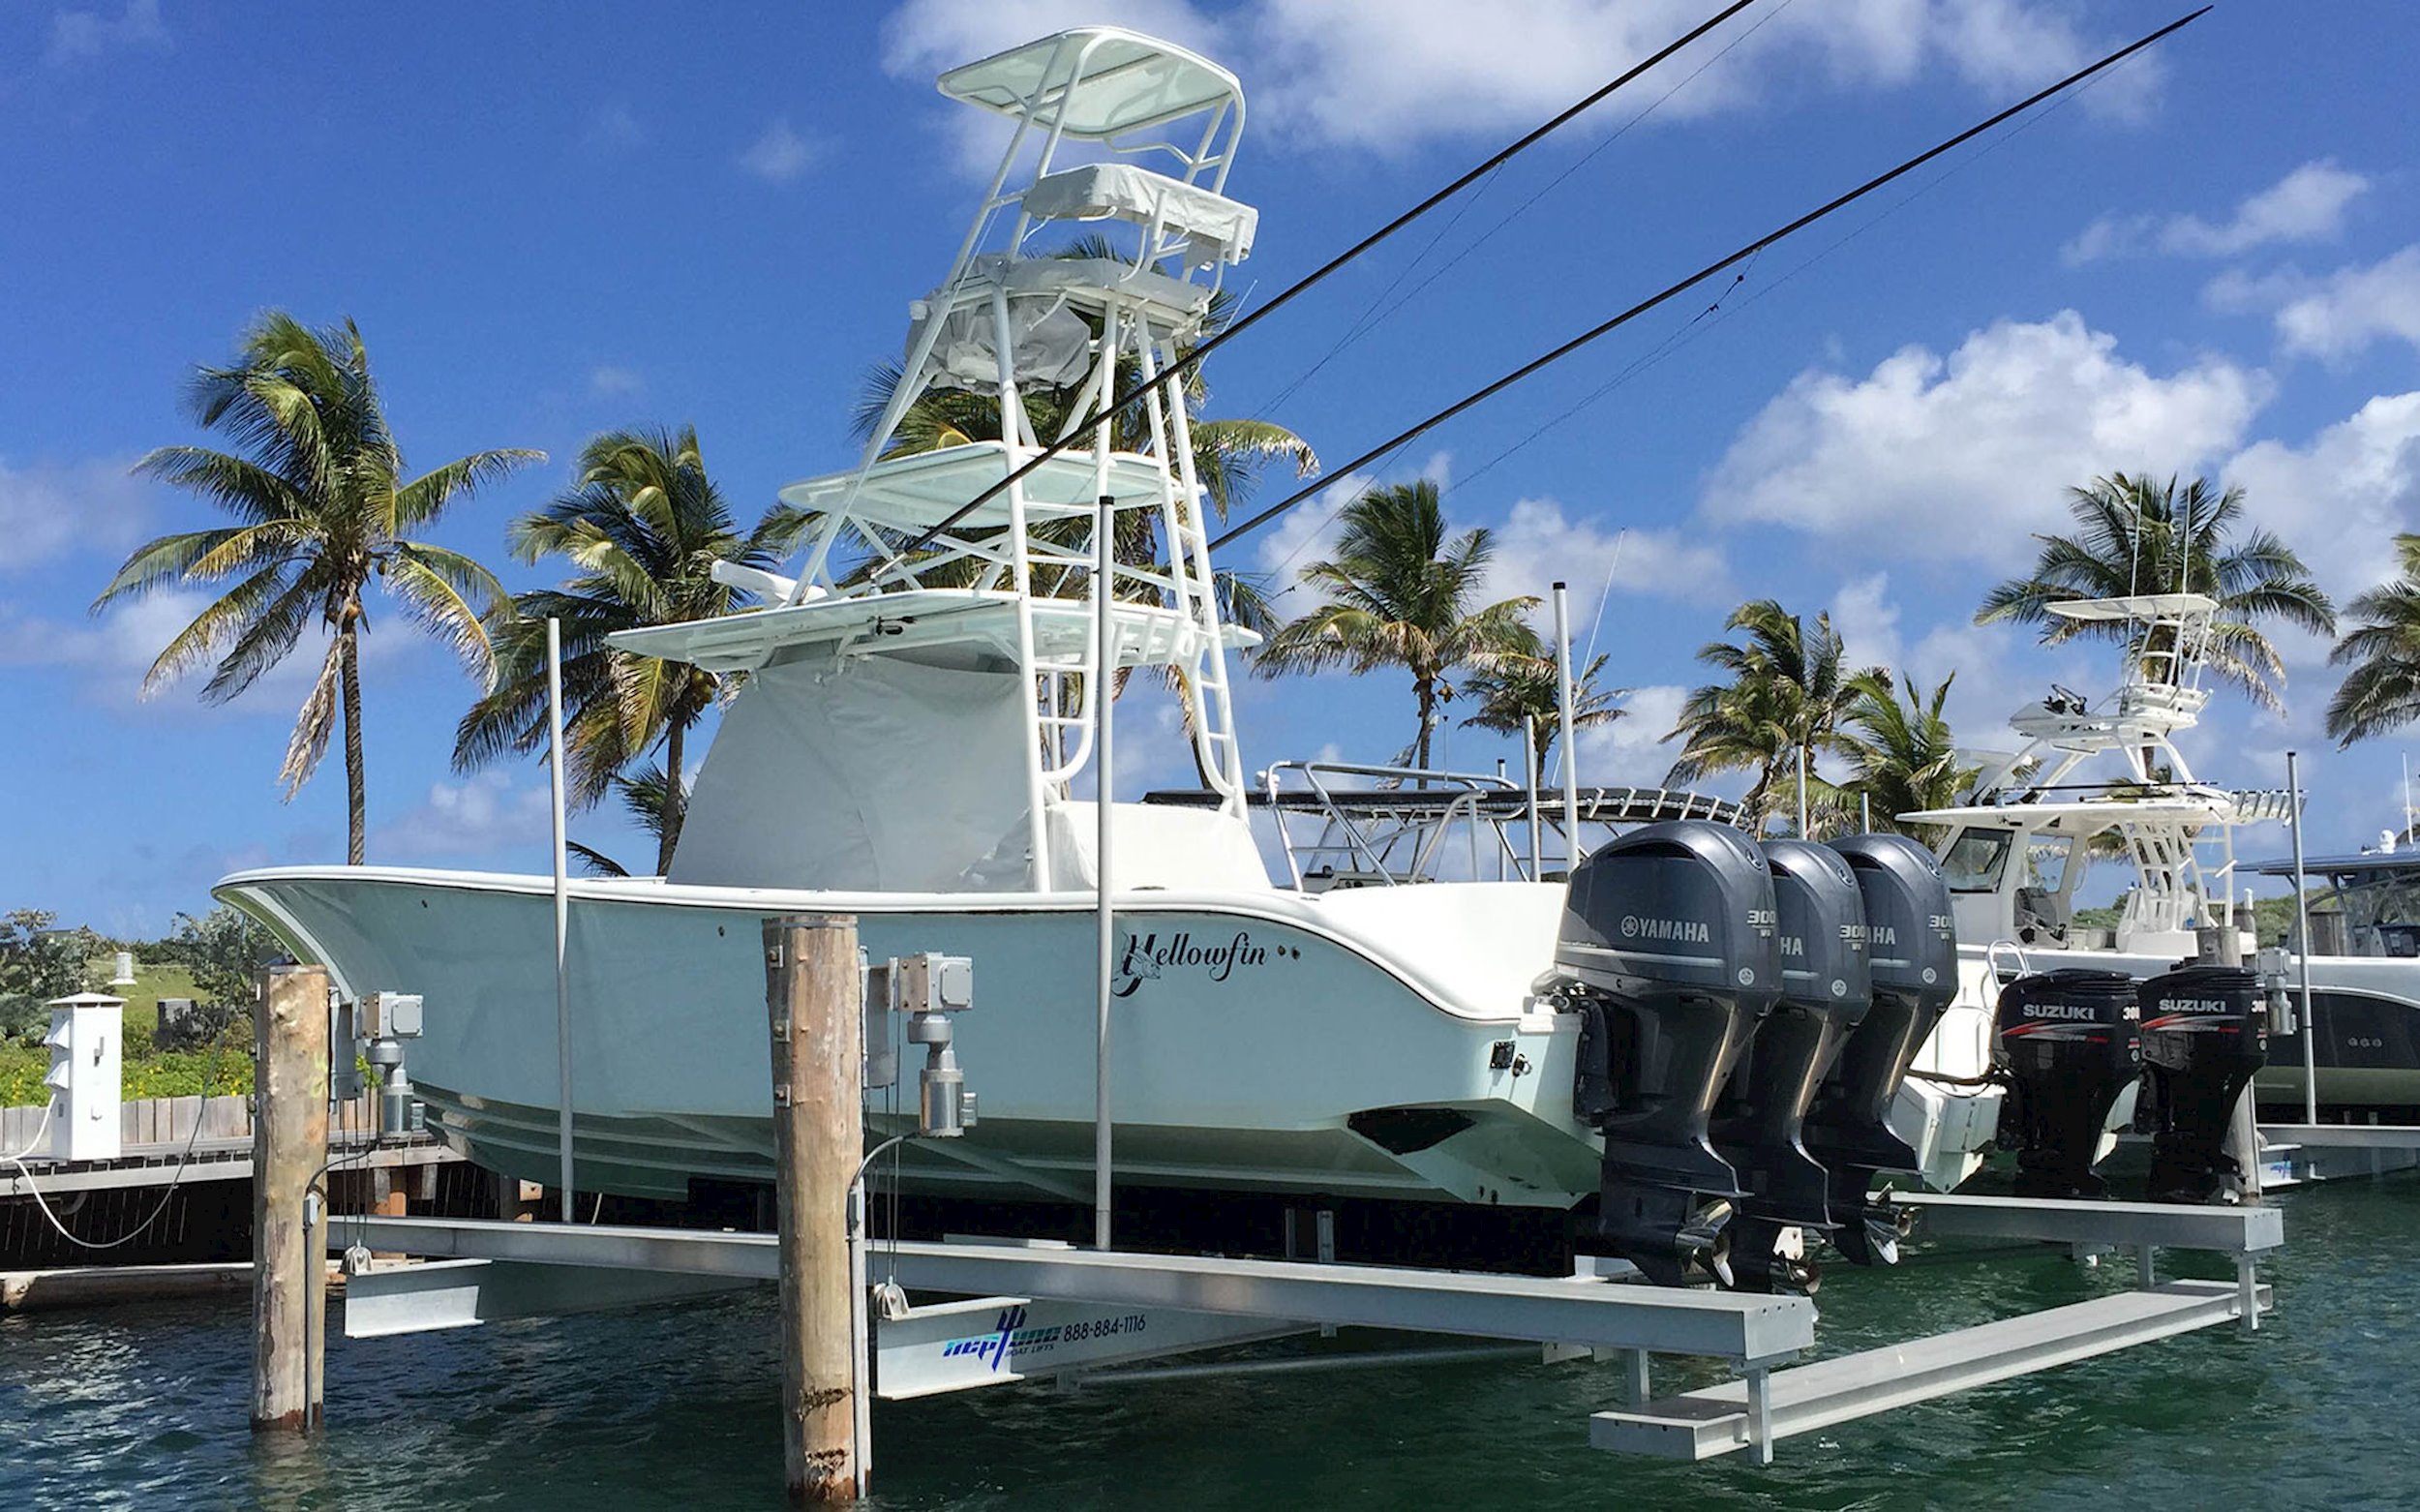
point(1426, 688)
point(676, 796)
point(348, 673)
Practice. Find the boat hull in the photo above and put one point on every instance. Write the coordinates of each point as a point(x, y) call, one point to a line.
point(1268, 1043)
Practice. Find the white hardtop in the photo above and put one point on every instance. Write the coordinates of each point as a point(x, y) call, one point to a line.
point(2136, 605)
point(915, 619)
point(2084, 816)
point(1114, 81)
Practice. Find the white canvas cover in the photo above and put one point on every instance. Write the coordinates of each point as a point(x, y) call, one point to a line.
point(875, 774)
point(1051, 345)
point(1221, 229)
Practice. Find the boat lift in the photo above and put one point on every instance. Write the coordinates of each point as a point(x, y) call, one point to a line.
point(1029, 1311)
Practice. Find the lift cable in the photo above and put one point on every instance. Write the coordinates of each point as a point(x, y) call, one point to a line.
point(1712, 269)
point(1187, 361)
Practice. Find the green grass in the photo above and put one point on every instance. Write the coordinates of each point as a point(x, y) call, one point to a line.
point(151, 984)
point(149, 1072)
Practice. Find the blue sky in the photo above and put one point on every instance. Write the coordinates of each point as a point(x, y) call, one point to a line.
point(550, 220)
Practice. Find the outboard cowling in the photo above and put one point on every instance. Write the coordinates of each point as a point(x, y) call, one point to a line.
point(1912, 958)
point(1667, 952)
point(2070, 1043)
point(1825, 989)
point(2206, 1032)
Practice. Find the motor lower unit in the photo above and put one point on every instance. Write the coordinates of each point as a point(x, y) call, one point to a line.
point(2206, 1032)
point(1912, 961)
point(2068, 1044)
point(1668, 952)
point(1826, 990)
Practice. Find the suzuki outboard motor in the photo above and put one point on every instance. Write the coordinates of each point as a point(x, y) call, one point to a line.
point(2070, 1043)
point(1911, 956)
point(1825, 992)
point(1667, 952)
point(2205, 1035)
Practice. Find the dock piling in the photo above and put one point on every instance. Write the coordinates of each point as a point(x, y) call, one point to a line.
point(813, 999)
point(290, 1149)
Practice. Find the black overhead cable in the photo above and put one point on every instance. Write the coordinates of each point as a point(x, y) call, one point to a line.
point(1329, 480)
point(1193, 359)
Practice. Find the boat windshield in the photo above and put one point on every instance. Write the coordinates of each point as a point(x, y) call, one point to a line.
point(1974, 861)
point(2382, 911)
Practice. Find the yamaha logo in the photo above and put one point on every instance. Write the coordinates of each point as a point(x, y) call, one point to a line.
point(1683, 931)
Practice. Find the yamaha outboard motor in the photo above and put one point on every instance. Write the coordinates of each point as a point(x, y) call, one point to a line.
point(2206, 1032)
point(2069, 1042)
point(1911, 956)
point(1667, 952)
point(1825, 992)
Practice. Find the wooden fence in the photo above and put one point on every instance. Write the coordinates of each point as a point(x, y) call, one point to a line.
point(151, 1125)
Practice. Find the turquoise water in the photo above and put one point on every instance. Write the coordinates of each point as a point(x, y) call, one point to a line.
point(144, 1406)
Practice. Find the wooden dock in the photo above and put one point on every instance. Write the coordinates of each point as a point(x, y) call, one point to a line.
point(198, 1140)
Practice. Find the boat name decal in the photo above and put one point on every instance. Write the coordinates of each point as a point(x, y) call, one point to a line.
point(1144, 958)
point(1685, 931)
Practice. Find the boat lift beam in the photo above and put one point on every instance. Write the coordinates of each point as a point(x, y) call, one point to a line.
point(1043, 1310)
point(1767, 1405)
point(1746, 1329)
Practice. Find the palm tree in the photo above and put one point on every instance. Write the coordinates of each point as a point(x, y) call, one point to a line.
point(1901, 756)
point(642, 527)
point(1400, 595)
point(647, 797)
point(318, 491)
point(1789, 693)
point(1519, 691)
point(2138, 536)
point(2382, 690)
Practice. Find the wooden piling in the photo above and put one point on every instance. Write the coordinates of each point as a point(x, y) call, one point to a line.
point(813, 1000)
point(289, 1147)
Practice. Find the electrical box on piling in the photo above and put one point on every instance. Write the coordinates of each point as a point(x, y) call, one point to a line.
point(87, 1061)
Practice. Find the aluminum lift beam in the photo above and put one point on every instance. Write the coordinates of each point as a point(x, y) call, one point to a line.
point(1767, 1405)
point(1038, 1309)
point(1747, 1329)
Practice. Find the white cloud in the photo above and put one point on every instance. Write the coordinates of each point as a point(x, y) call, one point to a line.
point(475, 817)
point(1867, 621)
point(1386, 73)
point(2306, 206)
point(1380, 74)
point(2337, 316)
point(780, 155)
point(611, 381)
point(1630, 750)
point(112, 653)
point(1965, 456)
point(53, 509)
point(1537, 547)
point(75, 35)
point(2339, 499)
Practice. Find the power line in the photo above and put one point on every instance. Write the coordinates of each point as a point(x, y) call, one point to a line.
point(1593, 333)
point(1190, 360)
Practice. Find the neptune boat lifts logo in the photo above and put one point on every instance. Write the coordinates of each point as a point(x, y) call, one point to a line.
point(1015, 1335)
point(1150, 956)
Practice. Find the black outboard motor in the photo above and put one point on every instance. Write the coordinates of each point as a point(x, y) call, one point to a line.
point(1667, 952)
point(1912, 955)
point(2206, 1032)
point(2071, 1043)
point(1825, 992)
